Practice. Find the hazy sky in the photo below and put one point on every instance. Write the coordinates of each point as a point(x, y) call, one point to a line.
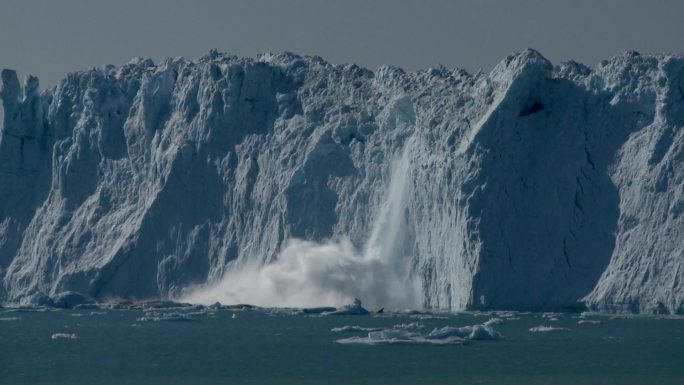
point(49, 38)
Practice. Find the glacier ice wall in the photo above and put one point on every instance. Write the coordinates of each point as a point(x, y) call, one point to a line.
point(532, 187)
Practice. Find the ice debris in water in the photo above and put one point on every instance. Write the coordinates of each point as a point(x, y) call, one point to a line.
point(588, 321)
point(494, 321)
point(10, 318)
point(543, 329)
point(445, 336)
point(65, 336)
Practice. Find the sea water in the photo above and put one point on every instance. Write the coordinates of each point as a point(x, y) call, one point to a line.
point(225, 346)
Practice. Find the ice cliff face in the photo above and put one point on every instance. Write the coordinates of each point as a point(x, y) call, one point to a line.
point(531, 187)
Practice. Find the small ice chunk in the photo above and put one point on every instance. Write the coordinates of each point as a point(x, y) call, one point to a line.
point(98, 313)
point(349, 328)
point(544, 329)
point(351, 309)
point(411, 326)
point(484, 332)
point(588, 321)
point(66, 336)
point(494, 321)
point(506, 314)
point(160, 316)
point(391, 335)
point(10, 318)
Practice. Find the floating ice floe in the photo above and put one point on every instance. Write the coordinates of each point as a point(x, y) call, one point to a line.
point(391, 336)
point(444, 336)
point(543, 329)
point(10, 318)
point(588, 321)
point(475, 332)
point(349, 328)
point(65, 336)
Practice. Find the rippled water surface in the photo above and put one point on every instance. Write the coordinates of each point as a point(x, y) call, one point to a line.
point(278, 347)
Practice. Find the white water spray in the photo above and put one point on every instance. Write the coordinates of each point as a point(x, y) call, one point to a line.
point(308, 274)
